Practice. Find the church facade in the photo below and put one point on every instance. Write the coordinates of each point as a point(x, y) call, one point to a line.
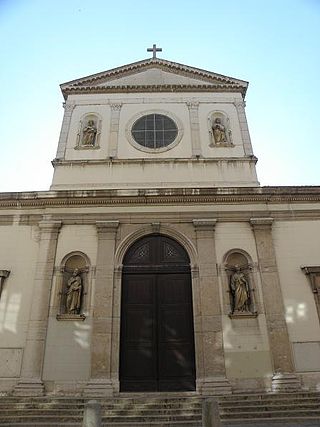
point(156, 262)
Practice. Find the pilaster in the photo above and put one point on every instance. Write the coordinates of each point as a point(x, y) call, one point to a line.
point(62, 144)
point(284, 377)
point(212, 377)
point(100, 383)
point(30, 382)
point(114, 130)
point(240, 107)
point(195, 128)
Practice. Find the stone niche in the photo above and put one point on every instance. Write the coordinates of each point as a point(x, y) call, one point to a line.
point(73, 287)
point(219, 130)
point(89, 132)
point(240, 285)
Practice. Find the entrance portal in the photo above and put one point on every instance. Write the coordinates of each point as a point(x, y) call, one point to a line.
point(157, 339)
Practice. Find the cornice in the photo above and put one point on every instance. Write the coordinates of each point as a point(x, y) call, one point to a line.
point(142, 161)
point(74, 90)
point(216, 80)
point(160, 196)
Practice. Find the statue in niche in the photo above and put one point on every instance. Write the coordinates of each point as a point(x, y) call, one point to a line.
point(240, 291)
point(89, 133)
point(74, 293)
point(219, 131)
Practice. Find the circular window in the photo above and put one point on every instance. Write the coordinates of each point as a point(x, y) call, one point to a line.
point(154, 131)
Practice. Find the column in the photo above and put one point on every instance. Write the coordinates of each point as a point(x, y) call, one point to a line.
point(209, 323)
point(284, 377)
point(3, 275)
point(100, 383)
point(195, 129)
point(30, 382)
point(68, 109)
point(240, 105)
point(114, 130)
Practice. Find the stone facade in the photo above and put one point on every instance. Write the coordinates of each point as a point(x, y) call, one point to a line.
point(206, 197)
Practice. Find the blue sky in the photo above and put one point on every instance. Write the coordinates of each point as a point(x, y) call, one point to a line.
point(275, 45)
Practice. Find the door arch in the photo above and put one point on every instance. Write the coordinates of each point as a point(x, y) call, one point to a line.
point(156, 332)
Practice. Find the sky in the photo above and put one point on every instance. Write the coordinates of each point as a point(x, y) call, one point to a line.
point(273, 44)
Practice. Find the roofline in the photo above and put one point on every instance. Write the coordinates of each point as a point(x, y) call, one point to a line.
point(112, 73)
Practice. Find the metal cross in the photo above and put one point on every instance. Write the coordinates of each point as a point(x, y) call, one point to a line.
point(154, 49)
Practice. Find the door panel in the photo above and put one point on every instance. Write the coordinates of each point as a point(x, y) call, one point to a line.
point(157, 337)
point(138, 359)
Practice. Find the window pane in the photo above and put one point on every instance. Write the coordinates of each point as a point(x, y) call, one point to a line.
point(154, 131)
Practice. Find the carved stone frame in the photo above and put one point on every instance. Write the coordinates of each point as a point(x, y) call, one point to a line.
point(226, 122)
point(3, 275)
point(86, 279)
point(250, 270)
point(139, 147)
point(82, 121)
point(313, 274)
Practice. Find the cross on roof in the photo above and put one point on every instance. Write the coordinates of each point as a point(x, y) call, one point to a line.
point(154, 49)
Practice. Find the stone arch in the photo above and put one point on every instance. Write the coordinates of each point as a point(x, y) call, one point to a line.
point(157, 338)
point(184, 241)
point(120, 252)
point(232, 252)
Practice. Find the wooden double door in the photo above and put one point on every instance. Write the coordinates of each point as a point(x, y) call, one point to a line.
point(157, 337)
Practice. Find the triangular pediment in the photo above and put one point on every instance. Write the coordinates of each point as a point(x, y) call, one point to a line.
point(154, 75)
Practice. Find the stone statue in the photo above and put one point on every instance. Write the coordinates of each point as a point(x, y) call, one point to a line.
point(219, 131)
point(89, 133)
point(74, 292)
point(240, 291)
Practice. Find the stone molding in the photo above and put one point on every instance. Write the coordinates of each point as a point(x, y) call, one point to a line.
point(216, 81)
point(71, 317)
point(3, 275)
point(192, 105)
point(116, 107)
point(261, 222)
point(231, 195)
point(204, 224)
point(68, 107)
point(313, 274)
point(175, 161)
point(107, 226)
point(153, 88)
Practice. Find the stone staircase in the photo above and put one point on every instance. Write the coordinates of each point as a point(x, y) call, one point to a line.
point(291, 409)
point(52, 411)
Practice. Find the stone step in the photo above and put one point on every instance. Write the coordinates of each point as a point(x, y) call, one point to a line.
point(274, 422)
point(269, 396)
point(293, 413)
point(270, 407)
point(271, 403)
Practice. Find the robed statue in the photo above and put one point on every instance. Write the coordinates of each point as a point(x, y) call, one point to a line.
point(219, 132)
point(74, 293)
point(89, 133)
point(240, 291)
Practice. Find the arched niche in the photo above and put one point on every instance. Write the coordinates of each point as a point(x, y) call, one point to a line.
point(73, 289)
point(219, 129)
point(89, 131)
point(239, 284)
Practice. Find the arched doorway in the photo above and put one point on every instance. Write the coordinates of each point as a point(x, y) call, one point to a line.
point(156, 337)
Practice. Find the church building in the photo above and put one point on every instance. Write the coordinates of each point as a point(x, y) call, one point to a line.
point(156, 262)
